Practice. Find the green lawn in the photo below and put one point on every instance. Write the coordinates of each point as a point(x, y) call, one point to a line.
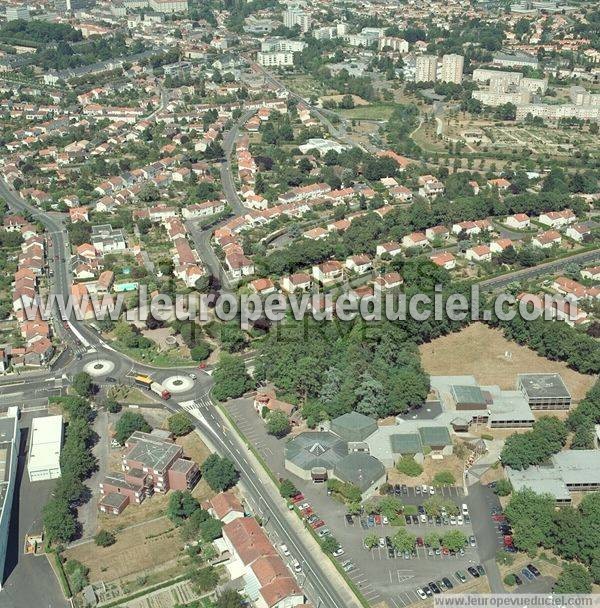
point(378, 111)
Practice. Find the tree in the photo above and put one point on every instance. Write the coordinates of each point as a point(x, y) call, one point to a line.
point(210, 529)
point(403, 541)
point(180, 424)
point(104, 538)
point(329, 544)
point(371, 540)
point(454, 540)
point(83, 385)
point(128, 423)
point(278, 423)
point(510, 580)
point(220, 473)
point(231, 379)
point(287, 489)
point(574, 578)
point(200, 351)
point(113, 406)
point(205, 579)
point(232, 337)
point(59, 522)
point(444, 478)
point(181, 506)
point(229, 599)
point(532, 518)
point(409, 466)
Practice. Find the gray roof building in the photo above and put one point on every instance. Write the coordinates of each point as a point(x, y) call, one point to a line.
point(312, 450)
point(353, 426)
point(362, 470)
point(406, 443)
point(435, 436)
point(544, 391)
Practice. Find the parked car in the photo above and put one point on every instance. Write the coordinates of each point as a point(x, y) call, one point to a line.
point(391, 553)
point(415, 519)
point(445, 520)
point(448, 583)
point(339, 551)
point(421, 510)
point(425, 488)
point(441, 585)
point(417, 489)
point(430, 520)
point(404, 489)
point(527, 574)
point(370, 521)
point(377, 519)
point(438, 520)
point(459, 520)
point(427, 590)
point(464, 509)
point(445, 551)
point(452, 520)
point(381, 542)
point(498, 517)
point(348, 566)
point(431, 490)
point(384, 520)
point(420, 542)
point(408, 519)
point(349, 519)
point(518, 579)
point(318, 524)
point(473, 572)
point(472, 541)
point(467, 519)
point(284, 550)
point(323, 532)
point(423, 518)
point(461, 576)
point(397, 489)
point(480, 569)
point(533, 570)
point(421, 593)
point(296, 565)
point(434, 587)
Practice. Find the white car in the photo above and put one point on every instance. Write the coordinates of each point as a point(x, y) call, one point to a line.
point(465, 509)
point(296, 566)
point(472, 541)
point(304, 506)
point(285, 550)
point(425, 489)
point(423, 518)
point(192, 376)
point(431, 490)
point(421, 594)
point(452, 520)
point(460, 520)
point(339, 551)
point(385, 521)
point(381, 542)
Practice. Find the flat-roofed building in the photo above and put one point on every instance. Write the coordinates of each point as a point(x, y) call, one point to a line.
point(43, 461)
point(544, 391)
point(9, 450)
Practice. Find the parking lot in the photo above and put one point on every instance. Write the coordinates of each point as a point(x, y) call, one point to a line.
point(380, 573)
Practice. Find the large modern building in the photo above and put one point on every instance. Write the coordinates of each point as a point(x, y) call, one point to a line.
point(569, 471)
point(275, 59)
point(18, 11)
point(452, 68)
point(296, 16)
point(9, 450)
point(426, 68)
point(544, 391)
point(43, 461)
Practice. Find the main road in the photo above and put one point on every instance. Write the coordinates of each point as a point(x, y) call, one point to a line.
point(325, 588)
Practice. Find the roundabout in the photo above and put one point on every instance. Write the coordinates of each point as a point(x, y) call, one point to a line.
point(178, 384)
point(99, 367)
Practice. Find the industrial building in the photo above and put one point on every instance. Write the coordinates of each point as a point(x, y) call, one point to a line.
point(544, 391)
point(9, 450)
point(43, 460)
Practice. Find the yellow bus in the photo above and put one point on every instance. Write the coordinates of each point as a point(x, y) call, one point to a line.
point(144, 381)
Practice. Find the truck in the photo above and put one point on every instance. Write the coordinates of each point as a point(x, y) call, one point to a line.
point(160, 390)
point(144, 381)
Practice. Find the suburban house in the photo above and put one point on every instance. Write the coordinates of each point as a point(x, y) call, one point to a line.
point(262, 287)
point(359, 263)
point(499, 245)
point(592, 273)
point(299, 281)
point(557, 219)
point(445, 259)
point(388, 281)
point(574, 289)
point(239, 265)
point(328, 273)
point(437, 232)
point(415, 239)
point(547, 239)
point(578, 232)
point(519, 221)
point(226, 506)
point(392, 248)
point(479, 253)
point(106, 239)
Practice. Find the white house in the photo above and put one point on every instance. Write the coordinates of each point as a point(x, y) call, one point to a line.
point(519, 221)
point(414, 239)
point(444, 259)
point(328, 273)
point(479, 253)
point(393, 248)
point(547, 239)
point(359, 263)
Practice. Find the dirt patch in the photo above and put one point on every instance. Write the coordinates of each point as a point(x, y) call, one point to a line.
point(430, 468)
point(358, 101)
point(138, 549)
point(480, 351)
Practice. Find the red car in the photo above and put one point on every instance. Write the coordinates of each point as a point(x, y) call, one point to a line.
point(202, 365)
point(298, 498)
point(499, 517)
point(420, 541)
point(377, 520)
point(307, 512)
point(317, 524)
point(508, 540)
point(445, 551)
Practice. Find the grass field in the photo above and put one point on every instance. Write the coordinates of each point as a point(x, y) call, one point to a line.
point(369, 112)
point(480, 351)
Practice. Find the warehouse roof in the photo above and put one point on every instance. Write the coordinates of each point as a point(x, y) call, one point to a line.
point(46, 439)
point(362, 470)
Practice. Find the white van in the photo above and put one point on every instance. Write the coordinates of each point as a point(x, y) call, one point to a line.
point(465, 509)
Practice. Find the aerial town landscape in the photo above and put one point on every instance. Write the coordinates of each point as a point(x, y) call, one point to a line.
point(193, 193)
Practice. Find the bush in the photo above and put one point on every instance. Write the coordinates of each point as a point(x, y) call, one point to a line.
point(180, 424)
point(113, 406)
point(409, 466)
point(200, 351)
point(104, 538)
point(487, 437)
point(503, 487)
point(127, 424)
point(278, 424)
point(510, 580)
point(348, 491)
point(287, 489)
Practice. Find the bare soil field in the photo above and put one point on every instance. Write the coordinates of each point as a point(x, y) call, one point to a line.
point(479, 350)
point(137, 549)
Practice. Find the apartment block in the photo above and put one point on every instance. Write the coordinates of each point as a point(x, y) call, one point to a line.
point(452, 68)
